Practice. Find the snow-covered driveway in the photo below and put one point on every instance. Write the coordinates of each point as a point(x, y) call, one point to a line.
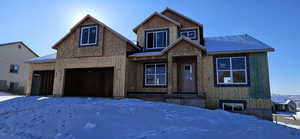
point(91, 118)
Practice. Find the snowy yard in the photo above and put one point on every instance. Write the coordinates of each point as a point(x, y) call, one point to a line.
point(89, 118)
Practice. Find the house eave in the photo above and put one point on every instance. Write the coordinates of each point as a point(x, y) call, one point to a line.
point(241, 51)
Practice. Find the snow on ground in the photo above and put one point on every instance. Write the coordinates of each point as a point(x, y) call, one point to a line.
point(78, 118)
point(297, 115)
point(6, 96)
point(289, 125)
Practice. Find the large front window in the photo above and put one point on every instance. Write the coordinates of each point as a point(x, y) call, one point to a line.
point(156, 39)
point(231, 70)
point(155, 74)
point(88, 35)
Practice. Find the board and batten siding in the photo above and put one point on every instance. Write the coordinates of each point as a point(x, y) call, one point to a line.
point(256, 94)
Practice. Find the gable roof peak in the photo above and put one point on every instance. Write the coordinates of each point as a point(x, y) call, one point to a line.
point(156, 14)
point(181, 15)
point(182, 38)
point(21, 43)
point(98, 22)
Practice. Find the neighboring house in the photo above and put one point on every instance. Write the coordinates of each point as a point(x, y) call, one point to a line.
point(171, 61)
point(283, 104)
point(13, 71)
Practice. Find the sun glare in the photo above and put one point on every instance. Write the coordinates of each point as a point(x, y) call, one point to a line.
point(76, 17)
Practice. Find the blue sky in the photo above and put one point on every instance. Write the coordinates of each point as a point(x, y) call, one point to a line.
point(42, 23)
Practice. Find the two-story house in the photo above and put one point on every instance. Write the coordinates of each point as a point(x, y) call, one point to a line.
point(13, 71)
point(171, 61)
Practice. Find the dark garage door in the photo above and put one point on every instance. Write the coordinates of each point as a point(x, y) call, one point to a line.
point(42, 83)
point(89, 82)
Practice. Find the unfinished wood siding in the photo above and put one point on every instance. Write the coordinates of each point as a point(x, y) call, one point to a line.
point(157, 22)
point(260, 86)
point(110, 51)
point(214, 94)
point(70, 46)
point(184, 48)
point(117, 62)
point(137, 75)
point(37, 67)
point(184, 22)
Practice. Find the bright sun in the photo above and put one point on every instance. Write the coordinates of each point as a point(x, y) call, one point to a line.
point(77, 16)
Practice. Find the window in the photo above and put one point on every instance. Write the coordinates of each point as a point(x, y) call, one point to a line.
point(188, 72)
point(190, 33)
point(235, 107)
point(155, 74)
point(13, 86)
point(156, 39)
point(14, 68)
point(88, 35)
point(231, 70)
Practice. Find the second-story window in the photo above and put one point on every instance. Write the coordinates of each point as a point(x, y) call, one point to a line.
point(156, 39)
point(189, 33)
point(14, 68)
point(88, 35)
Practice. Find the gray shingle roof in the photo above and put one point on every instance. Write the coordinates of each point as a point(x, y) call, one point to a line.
point(235, 43)
point(227, 44)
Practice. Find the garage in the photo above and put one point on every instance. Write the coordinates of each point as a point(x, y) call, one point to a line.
point(96, 82)
point(42, 83)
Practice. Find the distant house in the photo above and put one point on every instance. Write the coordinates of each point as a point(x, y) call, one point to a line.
point(13, 71)
point(283, 104)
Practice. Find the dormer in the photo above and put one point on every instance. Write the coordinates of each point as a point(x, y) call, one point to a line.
point(92, 38)
point(156, 32)
point(160, 30)
point(189, 27)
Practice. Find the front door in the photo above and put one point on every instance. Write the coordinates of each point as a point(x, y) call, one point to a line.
point(188, 78)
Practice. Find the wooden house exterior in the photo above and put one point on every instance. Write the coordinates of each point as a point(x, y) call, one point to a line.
point(171, 61)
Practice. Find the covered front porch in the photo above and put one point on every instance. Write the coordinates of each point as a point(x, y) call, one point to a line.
point(171, 75)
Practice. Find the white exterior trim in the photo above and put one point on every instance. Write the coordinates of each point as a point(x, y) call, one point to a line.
point(88, 40)
point(232, 70)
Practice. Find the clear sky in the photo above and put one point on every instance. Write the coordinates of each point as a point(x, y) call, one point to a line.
point(41, 23)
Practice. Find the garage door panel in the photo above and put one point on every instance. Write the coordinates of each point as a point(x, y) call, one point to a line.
point(89, 82)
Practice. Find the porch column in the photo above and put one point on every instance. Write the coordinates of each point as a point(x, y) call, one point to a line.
point(199, 74)
point(170, 74)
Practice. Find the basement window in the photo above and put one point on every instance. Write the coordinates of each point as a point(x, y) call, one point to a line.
point(13, 85)
point(88, 35)
point(234, 107)
point(231, 70)
point(156, 39)
point(155, 74)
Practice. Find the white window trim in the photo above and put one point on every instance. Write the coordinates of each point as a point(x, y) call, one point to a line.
point(187, 31)
point(155, 32)
point(155, 74)
point(232, 70)
point(234, 104)
point(88, 40)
